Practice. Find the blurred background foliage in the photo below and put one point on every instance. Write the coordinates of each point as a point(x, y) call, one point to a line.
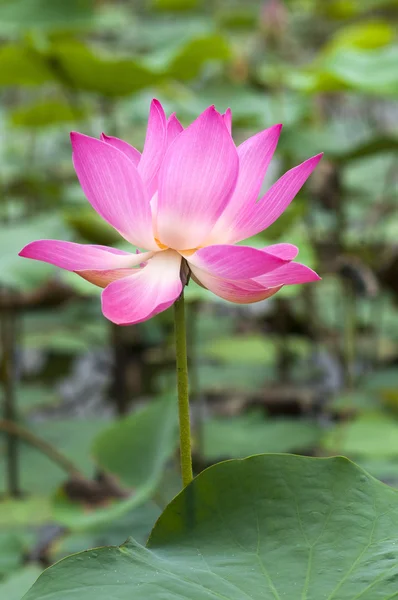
point(88, 434)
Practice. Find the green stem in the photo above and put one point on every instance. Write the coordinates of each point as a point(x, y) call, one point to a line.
point(182, 386)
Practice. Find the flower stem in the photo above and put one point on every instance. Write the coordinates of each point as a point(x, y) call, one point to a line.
point(182, 386)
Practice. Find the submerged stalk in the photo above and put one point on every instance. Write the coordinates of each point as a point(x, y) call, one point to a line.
point(8, 380)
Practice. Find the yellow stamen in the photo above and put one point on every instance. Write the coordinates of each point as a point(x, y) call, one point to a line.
point(161, 246)
point(188, 252)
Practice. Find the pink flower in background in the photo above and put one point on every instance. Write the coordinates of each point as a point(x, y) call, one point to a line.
point(191, 194)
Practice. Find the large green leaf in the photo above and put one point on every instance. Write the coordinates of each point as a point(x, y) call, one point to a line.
point(371, 71)
point(135, 450)
point(22, 66)
point(85, 69)
point(45, 113)
point(12, 549)
point(73, 438)
point(370, 436)
point(41, 14)
point(19, 272)
point(26, 511)
point(248, 349)
point(265, 528)
point(366, 35)
point(137, 447)
point(137, 522)
point(368, 71)
point(241, 436)
point(174, 5)
point(19, 583)
point(187, 62)
point(88, 224)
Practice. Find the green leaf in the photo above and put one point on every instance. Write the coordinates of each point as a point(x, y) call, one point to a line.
point(71, 437)
point(87, 223)
point(366, 35)
point(265, 528)
point(367, 71)
point(137, 522)
point(229, 378)
point(19, 272)
point(250, 349)
point(238, 17)
point(90, 70)
point(27, 511)
point(46, 113)
point(15, 586)
point(370, 436)
point(188, 61)
point(347, 9)
point(136, 450)
point(33, 396)
point(22, 66)
point(12, 548)
point(174, 5)
point(241, 436)
point(137, 447)
point(41, 14)
point(358, 401)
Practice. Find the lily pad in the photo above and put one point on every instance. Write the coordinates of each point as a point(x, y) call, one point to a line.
point(19, 583)
point(252, 434)
point(135, 450)
point(265, 528)
point(140, 444)
point(373, 435)
point(38, 474)
point(137, 522)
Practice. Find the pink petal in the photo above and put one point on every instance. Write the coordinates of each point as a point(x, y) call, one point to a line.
point(97, 264)
point(255, 154)
point(284, 251)
point(114, 188)
point(174, 129)
point(227, 116)
point(290, 274)
point(234, 262)
point(132, 153)
point(240, 292)
point(76, 257)
point(154, 147)
point(196, 180)
point(102, 278)
point(146, 293)
point(260, 215)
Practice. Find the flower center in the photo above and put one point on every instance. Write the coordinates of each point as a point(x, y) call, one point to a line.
point(161, 246)
point(188, 252)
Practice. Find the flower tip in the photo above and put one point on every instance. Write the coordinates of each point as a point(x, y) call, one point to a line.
point(75, 137)
point(314, 276)
point(24, 252)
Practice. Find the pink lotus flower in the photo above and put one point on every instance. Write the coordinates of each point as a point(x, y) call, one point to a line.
point(192, 195)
